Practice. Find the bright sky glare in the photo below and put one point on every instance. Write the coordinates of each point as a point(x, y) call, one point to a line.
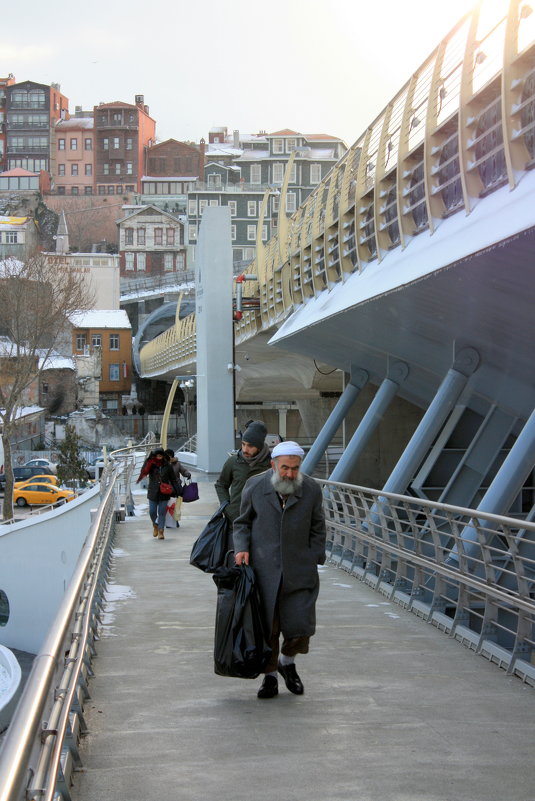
point(312, 66)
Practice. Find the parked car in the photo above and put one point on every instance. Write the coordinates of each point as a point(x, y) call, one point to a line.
point(24, 473)
point(95, 467)
point(41, 494)
point(42, 463)
point(39, 479)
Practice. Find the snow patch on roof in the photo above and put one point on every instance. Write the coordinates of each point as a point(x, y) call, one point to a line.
point(98, 318)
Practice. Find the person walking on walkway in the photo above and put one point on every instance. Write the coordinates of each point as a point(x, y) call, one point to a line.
point(158, 469)
point(253, 457)
point(280, 532)
point(179, 470)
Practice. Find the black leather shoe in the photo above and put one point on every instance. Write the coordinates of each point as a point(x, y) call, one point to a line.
point(269, 687)
point(291, 679)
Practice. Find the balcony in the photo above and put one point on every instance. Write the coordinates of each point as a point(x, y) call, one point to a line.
point(27, 149)
point(27, 125)
point(28, 104)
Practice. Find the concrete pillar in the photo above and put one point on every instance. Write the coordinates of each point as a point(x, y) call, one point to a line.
point(334, 421)
point(375, 413)
point(215, 360)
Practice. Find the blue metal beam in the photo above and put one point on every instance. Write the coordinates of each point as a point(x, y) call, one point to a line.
point(334, 421)
point(375, 413)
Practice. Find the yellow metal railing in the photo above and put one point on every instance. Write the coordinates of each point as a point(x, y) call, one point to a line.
point(461, 127)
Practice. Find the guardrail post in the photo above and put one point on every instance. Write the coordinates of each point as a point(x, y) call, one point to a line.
point(334, 421)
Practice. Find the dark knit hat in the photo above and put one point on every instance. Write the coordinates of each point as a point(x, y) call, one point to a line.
point(255, 434)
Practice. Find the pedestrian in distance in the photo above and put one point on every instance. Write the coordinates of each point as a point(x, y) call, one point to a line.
point(179, 470)
point(280, 532)
point(158, 469)
point(253, 457)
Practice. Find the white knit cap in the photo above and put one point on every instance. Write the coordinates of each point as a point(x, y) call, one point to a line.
point(288, 448)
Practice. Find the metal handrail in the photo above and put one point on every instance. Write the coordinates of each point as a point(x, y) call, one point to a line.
point(31, 753)
point(469, 573)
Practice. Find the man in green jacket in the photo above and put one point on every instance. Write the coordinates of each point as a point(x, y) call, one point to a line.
point(253, 458)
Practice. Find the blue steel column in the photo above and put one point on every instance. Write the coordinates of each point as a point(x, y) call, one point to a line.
point(505, 486)
point(375, 413)
point(447, 394)
point(334, 421)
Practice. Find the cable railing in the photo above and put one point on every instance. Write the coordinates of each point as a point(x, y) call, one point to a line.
point(40, 747)
point(470, 574)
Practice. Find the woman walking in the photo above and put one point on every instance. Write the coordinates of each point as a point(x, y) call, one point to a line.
point(160, 472)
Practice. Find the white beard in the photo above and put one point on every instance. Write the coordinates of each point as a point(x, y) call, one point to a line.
point(286, 486)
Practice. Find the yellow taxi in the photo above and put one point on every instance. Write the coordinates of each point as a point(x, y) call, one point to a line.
point(41, 494)
point(37, 480)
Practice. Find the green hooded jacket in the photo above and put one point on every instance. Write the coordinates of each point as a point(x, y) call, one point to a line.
point(236, 471)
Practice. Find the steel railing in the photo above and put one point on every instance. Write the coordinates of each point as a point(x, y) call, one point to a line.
point(470, 574)
point(40, 740)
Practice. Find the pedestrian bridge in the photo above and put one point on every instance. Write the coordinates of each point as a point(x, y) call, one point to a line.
point(419, 683)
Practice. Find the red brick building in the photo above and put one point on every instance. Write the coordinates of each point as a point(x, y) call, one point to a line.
point(122, 133)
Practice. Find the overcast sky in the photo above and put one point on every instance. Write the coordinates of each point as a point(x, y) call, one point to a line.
point(315, 66)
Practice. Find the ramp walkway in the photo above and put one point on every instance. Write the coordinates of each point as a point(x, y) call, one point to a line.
point(393, 709)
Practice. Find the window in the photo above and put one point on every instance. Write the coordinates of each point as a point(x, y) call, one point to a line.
point(251, 233)
point(88, 190)
point(114, 372)
point(117, 117)
point(140, 236)
point(169, 236)
point(192, 233)
point(75, 190)
point(129, 143)
point(214, 180)
point(106, 169)
point(275, 202)
point(89, 169)
point(81, 342)
point(256, 173)
point(116, 143)
point(141, 262)
point(74, 169)
point(180, 264)
point(233, 232)
point(192, 207)
point(264, 233)
point(233, 206)
point(129, 236)
point(96, 340)
point(293, 174)
point(61, 169)
point(251, 208)
point(118, 168)
point(290, 201)
point(278, 173)
point(74, 144)
point(129, 188)
point(214, 203)
point(278, 146)
point(102, 190)
point(291, 144)
point(168, 261)
point(12, 237)
point(129, 168)
point(202, 205)
point(88, 144)
point(158, 236)
point(110, 190)
point(114, 341)
point(61, 144)
point(129, 261)
point(315, 173)
point(105, 143)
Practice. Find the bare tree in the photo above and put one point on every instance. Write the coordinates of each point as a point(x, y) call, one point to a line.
point(37, 297)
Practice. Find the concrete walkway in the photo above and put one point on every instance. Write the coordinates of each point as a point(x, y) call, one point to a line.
point(393, 709)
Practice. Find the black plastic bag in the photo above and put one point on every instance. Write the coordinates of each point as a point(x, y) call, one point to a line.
point(241, 648)
point(210, 547)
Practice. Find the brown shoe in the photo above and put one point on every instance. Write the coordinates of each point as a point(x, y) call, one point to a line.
point(154, 530)
point(160, 534)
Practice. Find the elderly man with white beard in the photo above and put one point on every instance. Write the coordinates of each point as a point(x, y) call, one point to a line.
point(280, 532)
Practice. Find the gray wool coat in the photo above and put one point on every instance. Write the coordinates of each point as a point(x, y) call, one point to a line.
point(285, 547)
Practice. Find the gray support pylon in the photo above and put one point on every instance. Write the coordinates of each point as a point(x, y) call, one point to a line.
point(505, 486)
point(452, 385)
point(375, 413)
point(346, 400)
